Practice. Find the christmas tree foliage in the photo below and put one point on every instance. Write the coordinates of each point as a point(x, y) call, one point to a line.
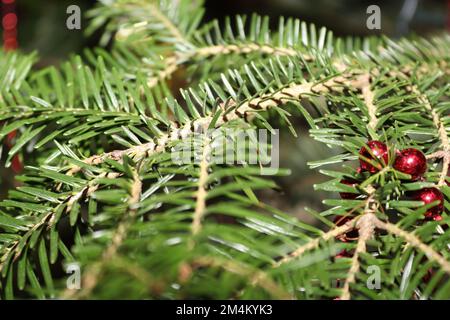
point(102, 188)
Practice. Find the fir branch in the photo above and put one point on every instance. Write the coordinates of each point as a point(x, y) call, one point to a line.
point(369, 97)
point(314, 243)
point(171, 65)
point(414, 241)
point(247, 48)
point(442, 134)
point(365, 226)
point(255, 277)
point(200, 204)
point(245, 110)
point(173, 29)
point(174, 62)
point(92, 275)
point(15, 245)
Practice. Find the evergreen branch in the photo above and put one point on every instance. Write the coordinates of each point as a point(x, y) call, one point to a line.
point(171, 65)
point(200, 204)
point(314, 243)
point(14, 245)
point(146, 149)
point(255, 277)
point(173, 29)
point(442, 134)
point(302, 66)
point(369, 97)
point(365, 226)
point(414, 241)
point(93, 273)
point(245, 110)
point(89, 189)
point(247, 48)
point(173, 62)
point(136, 271)
point(50, 217)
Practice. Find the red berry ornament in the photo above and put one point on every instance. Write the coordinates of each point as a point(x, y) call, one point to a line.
point(379, 151)
point(429, 195)
point(411, 161)
point(349, 195)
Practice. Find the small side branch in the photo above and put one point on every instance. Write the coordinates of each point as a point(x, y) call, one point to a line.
point(414, 241)
point(173, 29)
point(200, 204)
point(441, 131)
point(246, 109)
point(313, 244)
point(255, 277)
point(93, 273)
point(248, 48)
point(369, 97)
point(365, 226)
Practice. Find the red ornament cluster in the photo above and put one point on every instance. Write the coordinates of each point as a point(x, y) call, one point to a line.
point(375, 156)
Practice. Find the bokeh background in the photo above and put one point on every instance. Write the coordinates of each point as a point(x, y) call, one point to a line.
point(42, 22)
point(41, 27)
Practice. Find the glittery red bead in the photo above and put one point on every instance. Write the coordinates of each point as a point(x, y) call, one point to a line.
point(351, 234)
point(349, 195)
point(411, 161)
point(379, 150)
point(429, 195)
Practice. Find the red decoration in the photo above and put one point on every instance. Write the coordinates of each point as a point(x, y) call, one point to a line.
point(351, 234)
point(378, 150)
point(9, 25)
point(430, 195)
point(349, 195)
point(411, 161)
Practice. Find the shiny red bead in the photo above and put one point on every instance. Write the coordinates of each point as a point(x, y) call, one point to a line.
point(411, 161)
point(430, 195)
point(379, 151)
point(349, 195)
point(351, 234)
